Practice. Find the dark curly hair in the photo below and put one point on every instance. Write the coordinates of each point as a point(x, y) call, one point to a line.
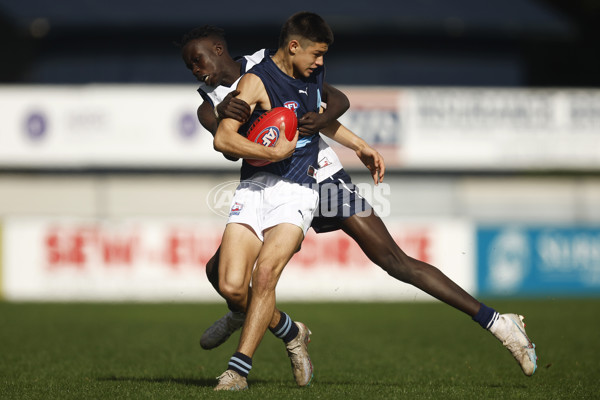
point(202, 32)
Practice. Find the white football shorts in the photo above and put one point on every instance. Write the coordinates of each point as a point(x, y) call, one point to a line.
point(266, 200)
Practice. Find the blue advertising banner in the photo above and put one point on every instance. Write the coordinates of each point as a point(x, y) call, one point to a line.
point(529, 261)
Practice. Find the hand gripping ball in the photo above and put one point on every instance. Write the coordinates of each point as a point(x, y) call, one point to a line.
point(265, 130)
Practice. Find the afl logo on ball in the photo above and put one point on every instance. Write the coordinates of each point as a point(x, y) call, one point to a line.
point(268, 136)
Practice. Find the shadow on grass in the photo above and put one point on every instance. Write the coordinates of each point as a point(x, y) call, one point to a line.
point(506, 385)
point(203, 382)
point(211, 382)
point(346, 384)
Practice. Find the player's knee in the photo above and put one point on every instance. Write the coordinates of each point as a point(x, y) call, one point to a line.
point(233, 293)
point(397, 265)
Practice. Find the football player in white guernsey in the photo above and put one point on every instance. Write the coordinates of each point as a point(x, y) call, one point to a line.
point(367, 230)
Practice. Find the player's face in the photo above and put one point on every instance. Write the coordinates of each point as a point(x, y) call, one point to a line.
point(200, 57)
point(309, 58)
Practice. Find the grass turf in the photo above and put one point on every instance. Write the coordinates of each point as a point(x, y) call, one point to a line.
point(360, 351)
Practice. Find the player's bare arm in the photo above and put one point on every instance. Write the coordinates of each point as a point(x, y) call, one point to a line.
point(337, 104)
point(368, 155)
point(207, 118)
point(209, 121)
point(309, 124)
point(232, 107)
point(228, 141)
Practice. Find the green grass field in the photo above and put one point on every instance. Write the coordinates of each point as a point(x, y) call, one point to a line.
point(360, 351)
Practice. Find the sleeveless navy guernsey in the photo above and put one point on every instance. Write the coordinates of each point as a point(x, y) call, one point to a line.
point(301, 96)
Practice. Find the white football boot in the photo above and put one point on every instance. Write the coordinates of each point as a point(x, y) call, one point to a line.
point(510, 330)
point(231, 380)
point(297, 350)
point(220, 331)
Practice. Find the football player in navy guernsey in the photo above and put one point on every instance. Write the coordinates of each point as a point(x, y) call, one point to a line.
point(205, 53)
point(277, 209)
point(366, 229)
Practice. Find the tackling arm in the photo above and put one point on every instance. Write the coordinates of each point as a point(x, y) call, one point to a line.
point(207, 117)
point(337, 104)
point(209, 121)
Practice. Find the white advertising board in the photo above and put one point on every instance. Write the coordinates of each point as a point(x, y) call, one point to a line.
point(104, 127)
point(477, 128)
point(164, 260)
point(502, 129)
point(111, 127)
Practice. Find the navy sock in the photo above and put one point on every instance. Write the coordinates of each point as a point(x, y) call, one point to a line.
point(286, 329)
point(240, 363)
point(486, 316)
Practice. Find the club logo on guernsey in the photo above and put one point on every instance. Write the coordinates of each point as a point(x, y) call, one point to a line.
point(236, 208)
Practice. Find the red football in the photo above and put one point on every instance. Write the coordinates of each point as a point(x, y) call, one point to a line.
point(265, 130)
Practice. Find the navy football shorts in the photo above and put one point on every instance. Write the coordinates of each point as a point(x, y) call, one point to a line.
point(339, 199)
